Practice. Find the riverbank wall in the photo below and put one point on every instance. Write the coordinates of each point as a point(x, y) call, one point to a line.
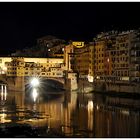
point(117, 87)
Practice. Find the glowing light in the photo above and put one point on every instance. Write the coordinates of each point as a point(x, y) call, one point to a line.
point(98, 77)
point(90, 78)
point(35, 82)
point(90, 105)
point(108, 60)
point(125, 112)
point(5, 68)
point(5, 94)
point(97, 107)
point(1, 92)
point(63, 49)
point(35, 94)
point(3, 116)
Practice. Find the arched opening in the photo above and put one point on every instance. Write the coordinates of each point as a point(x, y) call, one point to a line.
point(46, 89)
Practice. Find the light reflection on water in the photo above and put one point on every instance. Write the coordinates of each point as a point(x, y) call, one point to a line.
point(74, 114)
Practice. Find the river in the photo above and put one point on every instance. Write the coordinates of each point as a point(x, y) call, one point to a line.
point(71, 114)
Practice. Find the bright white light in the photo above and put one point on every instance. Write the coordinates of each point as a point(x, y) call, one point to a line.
point(35, 94)
point(90, 78)
point(63, 49)
point(90, 105)
point(35, 82)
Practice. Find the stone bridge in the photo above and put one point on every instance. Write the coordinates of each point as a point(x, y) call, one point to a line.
point(20, 82)
point(60, 79)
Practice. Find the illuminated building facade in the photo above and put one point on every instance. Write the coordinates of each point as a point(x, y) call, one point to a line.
point(19, 66)
point(122, 55)
point(112, 55)
point(78, 57)
point(135, 59)
point(99, 56)
point(82, 60)
point(69, 57)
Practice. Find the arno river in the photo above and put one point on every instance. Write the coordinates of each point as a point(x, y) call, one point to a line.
point(65, 114)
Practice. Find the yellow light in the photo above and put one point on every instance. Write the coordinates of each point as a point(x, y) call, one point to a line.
point(90, 78)
point(98, 77)
point(90, 105)
point(5, 68)
point(35, 82)
point(108, 60)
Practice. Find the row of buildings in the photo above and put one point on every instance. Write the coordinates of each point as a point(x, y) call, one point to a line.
point(23, 66)
point(112, 56)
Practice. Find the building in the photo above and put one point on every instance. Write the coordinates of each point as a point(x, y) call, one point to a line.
point(81, 60)
point(69, 57)
point(20, 66)
point(99, 56)
point(77, 58)
point(135, 59)
point(112, 55)
point(121, 56)
point(91, 73)
point(56, 51)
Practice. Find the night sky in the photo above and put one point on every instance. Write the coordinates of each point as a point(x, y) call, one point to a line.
point(22, 23)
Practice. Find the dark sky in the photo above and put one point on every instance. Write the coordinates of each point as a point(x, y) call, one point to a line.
point(22, 23)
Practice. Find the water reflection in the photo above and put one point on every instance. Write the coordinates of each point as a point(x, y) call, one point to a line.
point(73, 114)
point(3, 92)
point(90, 115)
point(35, 94)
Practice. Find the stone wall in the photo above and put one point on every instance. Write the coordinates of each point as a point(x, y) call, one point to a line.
point(84, 85)
point(127, 88)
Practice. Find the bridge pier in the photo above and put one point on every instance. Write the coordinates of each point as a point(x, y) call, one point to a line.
point(16, 83)
point(71, 81)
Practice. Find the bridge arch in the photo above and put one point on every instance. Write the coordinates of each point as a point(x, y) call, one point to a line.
point(48, 83)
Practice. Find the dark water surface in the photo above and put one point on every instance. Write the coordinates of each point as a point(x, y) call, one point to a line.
point(64, 114)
